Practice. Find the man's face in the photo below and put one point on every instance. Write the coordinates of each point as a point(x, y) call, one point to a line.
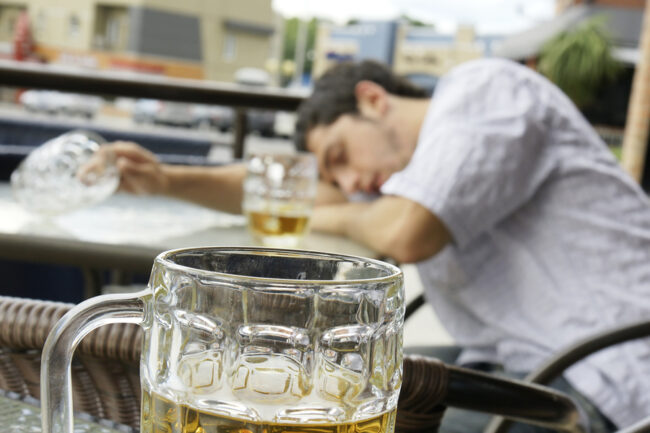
point(356, 153)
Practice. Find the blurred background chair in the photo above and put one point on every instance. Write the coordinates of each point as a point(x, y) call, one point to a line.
point(105, 375)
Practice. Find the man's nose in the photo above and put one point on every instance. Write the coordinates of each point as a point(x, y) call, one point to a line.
point(348, 181)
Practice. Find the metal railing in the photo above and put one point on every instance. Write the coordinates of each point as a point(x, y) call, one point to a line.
point(119, 83)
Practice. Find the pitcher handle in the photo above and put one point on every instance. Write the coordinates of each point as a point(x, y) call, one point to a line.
point(56, 385)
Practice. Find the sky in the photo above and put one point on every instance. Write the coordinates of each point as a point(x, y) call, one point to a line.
point(487, 16)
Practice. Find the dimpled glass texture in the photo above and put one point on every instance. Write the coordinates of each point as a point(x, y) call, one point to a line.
point(273, 336)
point(49, 180)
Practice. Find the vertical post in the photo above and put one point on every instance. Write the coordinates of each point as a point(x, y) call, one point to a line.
point(93, 282)
point(240, 132)
point(638, 115)
point(278, 47)
point(301, 46)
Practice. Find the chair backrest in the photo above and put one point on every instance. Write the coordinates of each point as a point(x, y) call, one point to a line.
point(576, 352)
point(105, 376)
point(105, 372)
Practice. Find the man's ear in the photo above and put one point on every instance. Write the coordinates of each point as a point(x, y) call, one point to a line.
point(372, 99)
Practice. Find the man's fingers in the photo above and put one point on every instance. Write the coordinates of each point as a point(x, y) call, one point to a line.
point(95, 167)
point(138, 178)
point(134, 184)
point(126, 185)
point(129, 149)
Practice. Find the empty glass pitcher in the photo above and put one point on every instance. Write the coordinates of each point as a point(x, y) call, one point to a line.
point(251, 340)
point(65, 173)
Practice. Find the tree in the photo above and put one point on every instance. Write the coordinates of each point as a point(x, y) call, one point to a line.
point(291, 26)
point(579, 61)
point(414, 22)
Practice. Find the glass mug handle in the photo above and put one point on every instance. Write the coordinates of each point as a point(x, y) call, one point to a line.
point(56, 384)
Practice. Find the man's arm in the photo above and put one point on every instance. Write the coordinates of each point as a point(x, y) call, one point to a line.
point(221, 187)
point(329, 194)
point(394, 226)
point(218, 187)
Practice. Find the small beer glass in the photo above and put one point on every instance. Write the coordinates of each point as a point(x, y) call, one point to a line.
point(279, 194)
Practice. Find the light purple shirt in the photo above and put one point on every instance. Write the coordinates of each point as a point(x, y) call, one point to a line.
point(551, 236)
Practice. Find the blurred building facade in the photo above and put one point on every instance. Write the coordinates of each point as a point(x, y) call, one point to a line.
point(623, 20)
point(363, 40)
point(193, 38)
point(420, 53)
point(562, 5)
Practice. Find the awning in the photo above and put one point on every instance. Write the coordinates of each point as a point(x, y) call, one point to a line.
point(623, 24)
point(249, 27)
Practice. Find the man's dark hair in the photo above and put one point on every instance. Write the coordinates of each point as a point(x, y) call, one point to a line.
point(334, 96)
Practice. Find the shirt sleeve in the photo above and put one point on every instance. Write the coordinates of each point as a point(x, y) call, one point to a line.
point(480, 155)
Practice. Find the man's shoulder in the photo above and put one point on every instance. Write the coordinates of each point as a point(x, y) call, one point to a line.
point(478, 86)
point(488, 67)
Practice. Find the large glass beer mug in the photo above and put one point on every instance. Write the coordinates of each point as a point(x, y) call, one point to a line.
point(251, 340)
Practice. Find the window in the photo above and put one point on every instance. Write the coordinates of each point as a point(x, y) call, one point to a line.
point(230, 47)
point(111, 28)
point(8, 19)
point(74, 27)
point(112, 34)
point(41, 23)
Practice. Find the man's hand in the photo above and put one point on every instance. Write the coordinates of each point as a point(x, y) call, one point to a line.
point(140, 170)
point(142, 173)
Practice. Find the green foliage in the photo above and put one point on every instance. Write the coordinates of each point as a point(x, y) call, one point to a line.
point(291, 26)
point(617, 151)
point(579, 61)
point(415, 22)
